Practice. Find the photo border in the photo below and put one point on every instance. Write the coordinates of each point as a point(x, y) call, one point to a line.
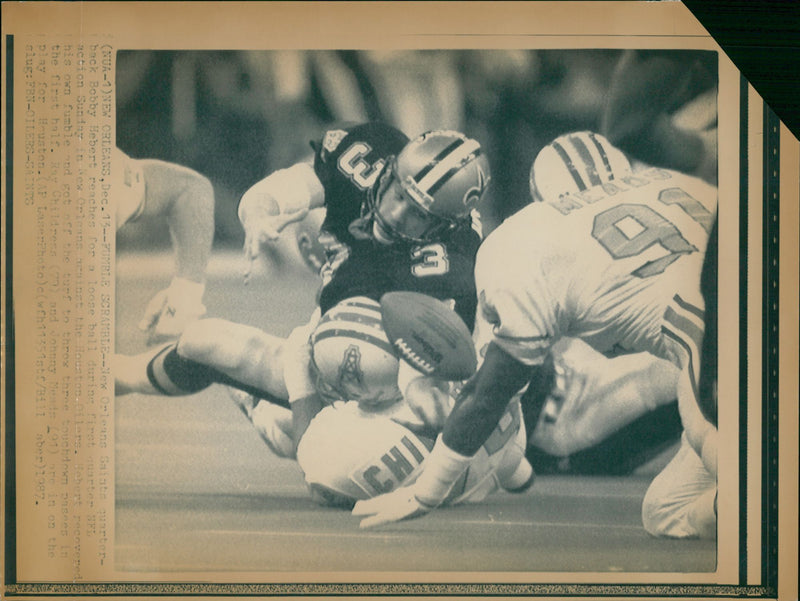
point(771, 261)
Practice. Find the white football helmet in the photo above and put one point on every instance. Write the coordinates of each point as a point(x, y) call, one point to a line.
point(573, 163)
point(352, 357)
point(348, 454)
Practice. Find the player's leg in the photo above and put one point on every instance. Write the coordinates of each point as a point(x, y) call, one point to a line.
point(209, 351)
point(595, 397)
point(273, 422)
point(681, 500)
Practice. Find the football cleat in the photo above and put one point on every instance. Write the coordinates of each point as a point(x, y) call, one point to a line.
point(272, 422)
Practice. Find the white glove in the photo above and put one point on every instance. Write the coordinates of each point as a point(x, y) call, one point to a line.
point(440, 471)
point(172, 309)
point(395, 506)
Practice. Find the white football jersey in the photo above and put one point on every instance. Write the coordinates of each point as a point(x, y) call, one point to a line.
point(128, 187)
point(600, 265)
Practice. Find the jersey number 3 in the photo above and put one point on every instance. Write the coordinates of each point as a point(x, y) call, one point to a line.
point(627, 230)
point(429, 260)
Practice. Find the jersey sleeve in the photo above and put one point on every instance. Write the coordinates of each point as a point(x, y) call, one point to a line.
point(514, 300)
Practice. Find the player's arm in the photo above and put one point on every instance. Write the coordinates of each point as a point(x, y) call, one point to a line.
point(281, 198)
point(186, 199)
point(476, 413)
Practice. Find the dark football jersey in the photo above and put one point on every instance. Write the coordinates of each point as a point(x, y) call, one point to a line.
point(348, 162)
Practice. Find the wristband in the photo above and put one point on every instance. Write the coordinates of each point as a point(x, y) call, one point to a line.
point(440, 472)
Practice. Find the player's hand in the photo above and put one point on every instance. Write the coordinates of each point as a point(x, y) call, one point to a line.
point(395, 506)
point(172, 309)
point(261, 226)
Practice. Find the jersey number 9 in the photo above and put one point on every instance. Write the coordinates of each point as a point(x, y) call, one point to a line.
point(627, 230)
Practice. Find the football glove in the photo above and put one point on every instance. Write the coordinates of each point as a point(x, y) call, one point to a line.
point(440, 471)
point(172, 309)
point(395, 506)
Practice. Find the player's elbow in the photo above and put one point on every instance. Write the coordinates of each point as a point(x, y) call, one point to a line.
point(199, 191)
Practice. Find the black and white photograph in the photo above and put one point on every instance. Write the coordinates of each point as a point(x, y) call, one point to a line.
point(326, 299)
point(294, 190)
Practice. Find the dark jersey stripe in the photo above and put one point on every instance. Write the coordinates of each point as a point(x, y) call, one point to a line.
point(682, 324)
point(677, 338)
point(568, 162)
point(689, 307)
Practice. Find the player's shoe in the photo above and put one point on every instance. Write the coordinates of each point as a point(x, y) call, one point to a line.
point(272, 422)
point(519, 479)
point(245, 401)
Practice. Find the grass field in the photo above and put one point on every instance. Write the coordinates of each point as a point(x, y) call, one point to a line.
point(197, 491)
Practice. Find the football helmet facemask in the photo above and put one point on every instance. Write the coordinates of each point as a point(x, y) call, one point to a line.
point(429, 188)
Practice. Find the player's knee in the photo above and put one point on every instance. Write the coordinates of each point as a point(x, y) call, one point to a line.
point(652, 514)
point(198, 339)
point(219, 343)
point(663, 518)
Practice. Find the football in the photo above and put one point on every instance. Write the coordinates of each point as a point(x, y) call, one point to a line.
point(428, 334)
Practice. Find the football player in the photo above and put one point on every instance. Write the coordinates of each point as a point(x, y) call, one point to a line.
point(597, 401)
point(146, 188)
point(601, 264)
point(363, 422)
point(399, 216)
point(682, 499)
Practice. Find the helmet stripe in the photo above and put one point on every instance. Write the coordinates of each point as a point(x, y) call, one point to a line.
point(444, 179)
point(603, 154)
point(448, 165)
point(370, 319)
point(587, 159)
point(433, 162)
point(361, 302)
point(569, 165)
point(382, 344)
